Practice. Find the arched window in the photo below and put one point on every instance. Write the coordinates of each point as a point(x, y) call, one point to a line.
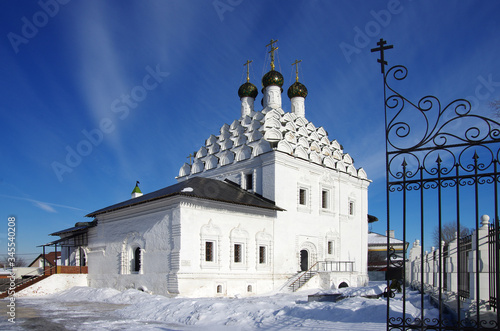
point(249, 288)
point(343, 284)
point(83, 261)
point(137, 260)
point(219, 288)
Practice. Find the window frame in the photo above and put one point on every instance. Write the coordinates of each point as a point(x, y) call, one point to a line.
point(135, 259)
point(210, 233)
point(351, 208)
point(325, 197)
point(211, 250)
point(302, 197)
point(249, 177)
point(238, 253)
point(330, 247)
point(262, 255)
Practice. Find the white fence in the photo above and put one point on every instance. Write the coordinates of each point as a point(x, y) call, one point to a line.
point(465, 263)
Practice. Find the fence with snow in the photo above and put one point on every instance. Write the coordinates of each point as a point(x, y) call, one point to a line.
point(469, 269)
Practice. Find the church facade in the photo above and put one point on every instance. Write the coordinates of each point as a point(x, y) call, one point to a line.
point(266, 199)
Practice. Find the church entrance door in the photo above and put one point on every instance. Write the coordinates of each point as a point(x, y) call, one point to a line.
point(304, 260)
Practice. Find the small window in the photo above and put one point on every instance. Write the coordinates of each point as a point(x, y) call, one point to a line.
point(330, 247)
point(249, 288)
point(249, 181)
point(351, 208)
point(209, 251)
point(238, 253)
point(324, 199)
point(137, 259)
point(262, 254)
point(302, 196)
point(219, 288)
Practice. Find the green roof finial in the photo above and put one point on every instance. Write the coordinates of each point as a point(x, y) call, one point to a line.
point(136, 188)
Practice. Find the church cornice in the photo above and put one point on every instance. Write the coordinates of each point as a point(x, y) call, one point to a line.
point(226, 208)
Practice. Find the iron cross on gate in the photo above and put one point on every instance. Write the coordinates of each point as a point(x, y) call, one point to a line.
point(381, 49)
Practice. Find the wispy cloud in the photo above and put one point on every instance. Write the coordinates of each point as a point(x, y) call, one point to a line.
point(46, 206)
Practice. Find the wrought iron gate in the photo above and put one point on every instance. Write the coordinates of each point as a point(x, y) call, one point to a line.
point(441, 166)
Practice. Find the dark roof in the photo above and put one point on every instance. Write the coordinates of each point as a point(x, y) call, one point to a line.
point(201, 188)
point(79, 227)
point(49, 257)
point(372, 218)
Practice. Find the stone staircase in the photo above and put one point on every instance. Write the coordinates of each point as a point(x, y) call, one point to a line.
point(301, 278)
point(23, 283)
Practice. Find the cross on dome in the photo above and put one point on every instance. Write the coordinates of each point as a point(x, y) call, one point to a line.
point(296, 64)
point(248, 89)
point(247, 64)
point(272, 51)
point(273, 77)
point(297, 89)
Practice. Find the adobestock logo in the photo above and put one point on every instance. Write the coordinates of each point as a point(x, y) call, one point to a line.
point(372, 29)
point(95, 137)
point(222, 6)
point(483, 91)
point(29, 29)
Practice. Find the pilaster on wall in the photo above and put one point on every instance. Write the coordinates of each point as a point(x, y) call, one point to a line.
point(483, 262)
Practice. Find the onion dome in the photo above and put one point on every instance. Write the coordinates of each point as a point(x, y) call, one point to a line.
point(273, 77)
point(248, 90)
point(297, 90)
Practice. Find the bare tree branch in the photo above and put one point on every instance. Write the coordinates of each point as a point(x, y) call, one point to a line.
point(448, 231)
point(495, 106)
point(20, 262)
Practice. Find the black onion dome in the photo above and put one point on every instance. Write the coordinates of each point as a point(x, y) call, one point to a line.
point(273, 77)
point(297, 90)
point(248, 90)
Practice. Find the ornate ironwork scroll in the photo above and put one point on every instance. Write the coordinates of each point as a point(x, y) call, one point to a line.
point(441, 165)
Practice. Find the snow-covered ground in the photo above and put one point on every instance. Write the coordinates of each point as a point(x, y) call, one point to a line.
point(84, 308)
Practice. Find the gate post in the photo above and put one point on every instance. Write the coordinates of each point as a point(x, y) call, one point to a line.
point(438, 160)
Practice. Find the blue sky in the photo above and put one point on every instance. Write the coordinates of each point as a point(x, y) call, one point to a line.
point(69, 68)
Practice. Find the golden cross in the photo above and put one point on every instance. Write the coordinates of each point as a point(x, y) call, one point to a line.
point(296, 64)
point(272, 51)
point(189, 157)
point(248, 66)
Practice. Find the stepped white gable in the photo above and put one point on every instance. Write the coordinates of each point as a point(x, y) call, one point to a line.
point(264, 131)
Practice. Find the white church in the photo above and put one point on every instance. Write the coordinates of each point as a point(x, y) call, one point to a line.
point(269, 203)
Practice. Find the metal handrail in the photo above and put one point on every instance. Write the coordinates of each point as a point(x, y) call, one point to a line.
point(22, 281)
point(308, 272)
point(304, 278)
point(348, 266)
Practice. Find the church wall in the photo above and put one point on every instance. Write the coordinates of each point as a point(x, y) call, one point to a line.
point(119, 234)
point(172, 234)
point(314, 226)
point(261, 166)
point(309, 227)
point(226, 226)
